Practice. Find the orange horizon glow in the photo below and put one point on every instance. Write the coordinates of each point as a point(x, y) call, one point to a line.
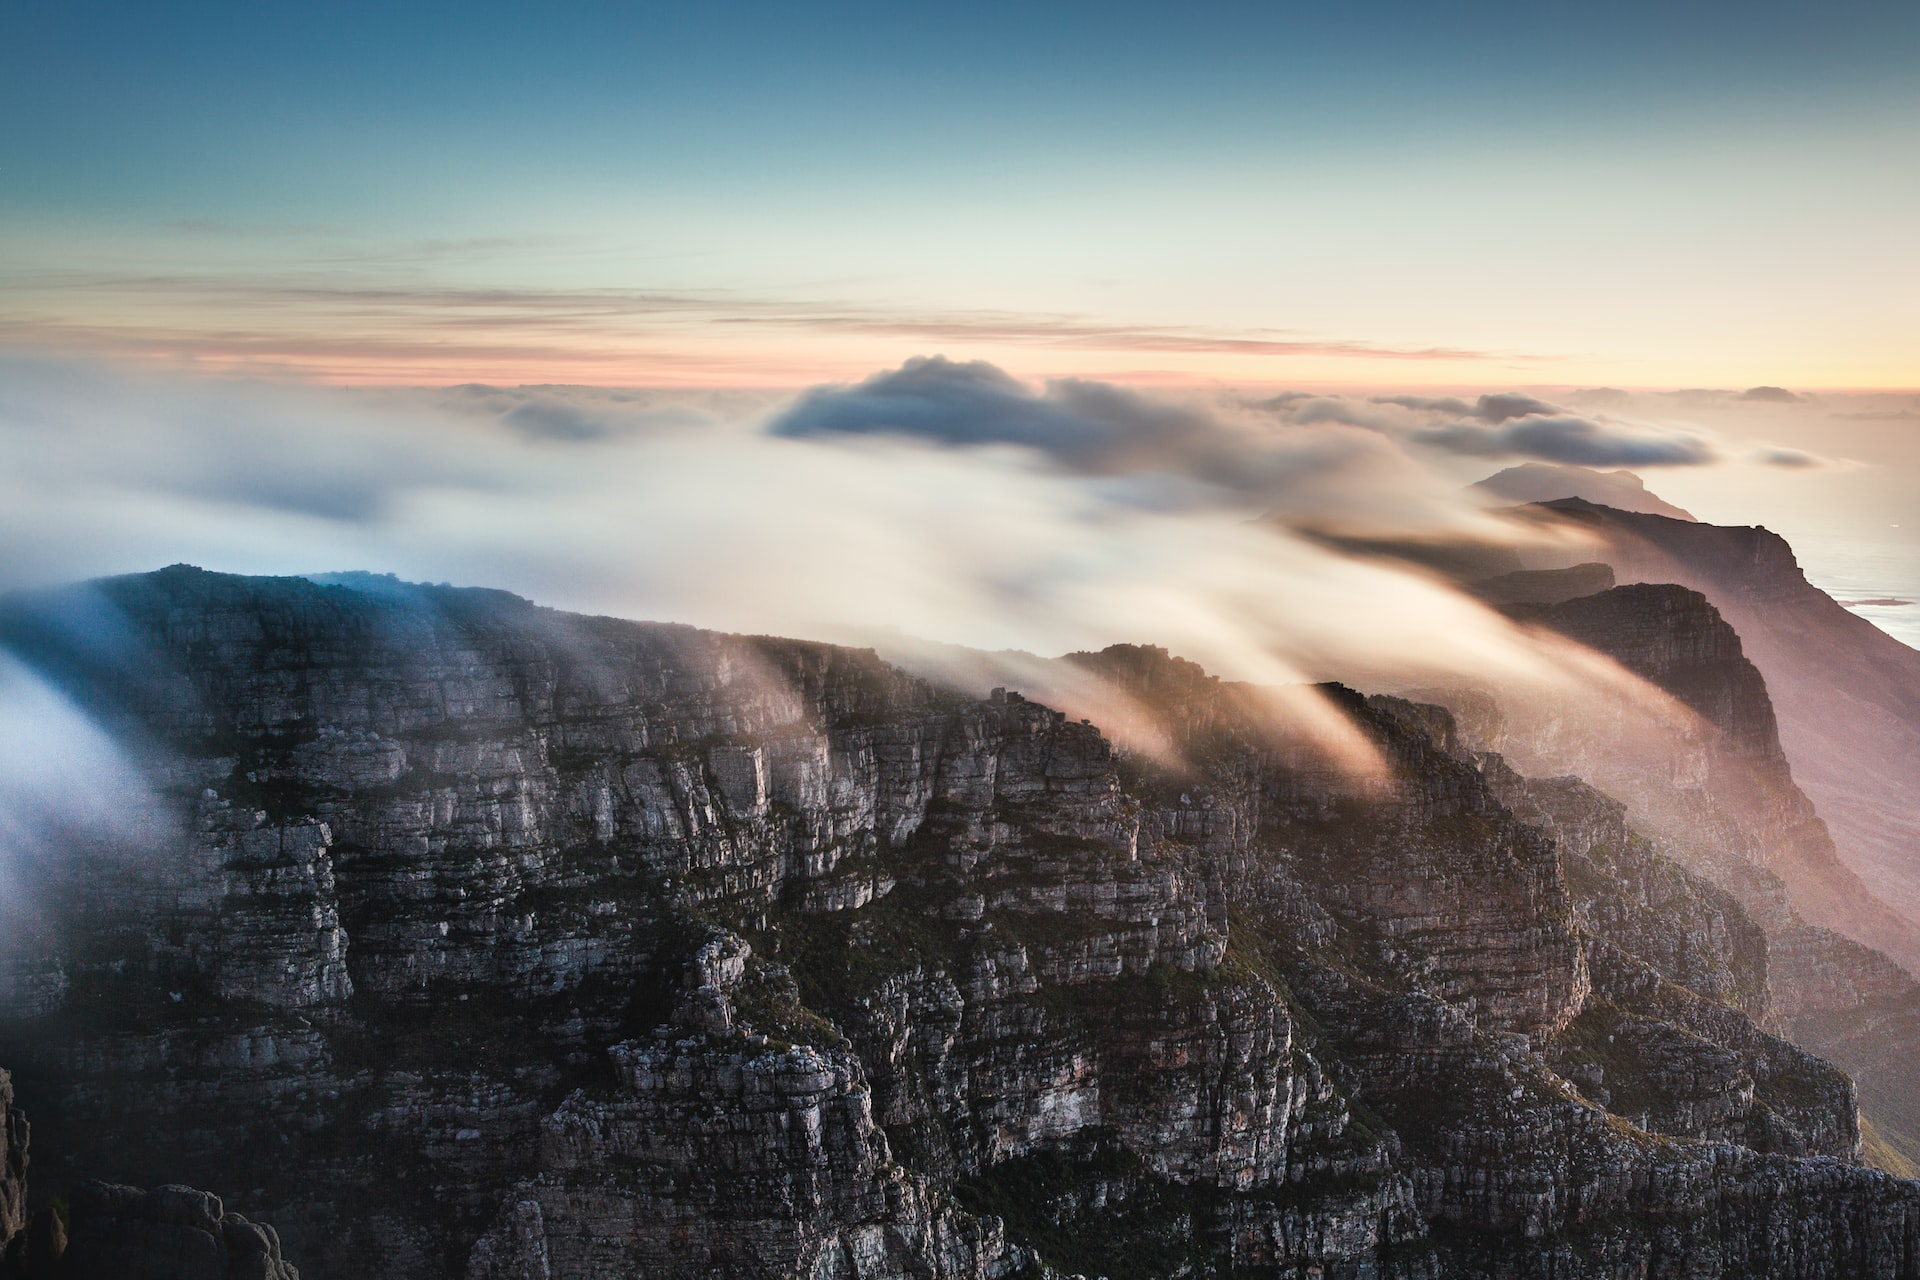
point(421, 360)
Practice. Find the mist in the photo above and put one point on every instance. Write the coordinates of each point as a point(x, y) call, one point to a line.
point(71, 801)
point(940, 504)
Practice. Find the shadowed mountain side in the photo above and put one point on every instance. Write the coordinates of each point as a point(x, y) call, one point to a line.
point(1544, 586)
point(1846, 693)
point(1726, 805)
point(1547, 481)
point(1673, 638)
point(495, 942)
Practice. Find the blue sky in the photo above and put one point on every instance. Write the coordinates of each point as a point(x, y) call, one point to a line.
point(1490, 193)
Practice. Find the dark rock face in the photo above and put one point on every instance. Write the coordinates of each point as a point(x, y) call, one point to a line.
point(13, 1162)
point(495, 942)
point(168, 1233)
point(112, 1232)
point(1675, 639)
point(123, 1233)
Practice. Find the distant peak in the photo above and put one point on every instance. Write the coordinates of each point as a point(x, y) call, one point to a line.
point(1548, 481)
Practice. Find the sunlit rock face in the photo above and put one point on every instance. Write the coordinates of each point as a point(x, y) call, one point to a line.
point(495, 942)
point(1740, 820)
point(1846, 695)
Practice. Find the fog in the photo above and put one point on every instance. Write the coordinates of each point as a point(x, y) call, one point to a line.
point(69, 797)
point(939, 504)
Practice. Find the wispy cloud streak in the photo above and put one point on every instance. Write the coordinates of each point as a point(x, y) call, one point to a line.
point(350, 324)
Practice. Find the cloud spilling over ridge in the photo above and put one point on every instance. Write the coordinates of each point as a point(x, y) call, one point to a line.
point(65, 789)
point(940, 500)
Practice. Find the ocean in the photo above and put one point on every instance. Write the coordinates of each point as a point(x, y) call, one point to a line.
point(1852, 569)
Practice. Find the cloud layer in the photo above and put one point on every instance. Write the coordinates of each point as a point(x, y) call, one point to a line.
point(941, 499)
point(1168, 451)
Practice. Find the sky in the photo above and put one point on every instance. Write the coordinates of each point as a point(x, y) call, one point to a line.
point(1477, 196)
point(988, 323)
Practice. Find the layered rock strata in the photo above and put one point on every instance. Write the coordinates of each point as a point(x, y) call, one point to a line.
point(1738, 817)
point(1847, 694)
point(495, 942)
point(13, 1162)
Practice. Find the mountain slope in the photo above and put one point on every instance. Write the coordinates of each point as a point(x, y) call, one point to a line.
point(491, 941)
point(1546, 481)
point(1847, 694)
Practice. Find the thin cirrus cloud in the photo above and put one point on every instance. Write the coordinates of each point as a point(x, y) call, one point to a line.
point(333, 325)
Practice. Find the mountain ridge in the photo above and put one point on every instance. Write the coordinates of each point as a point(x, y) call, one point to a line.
point(709, 954)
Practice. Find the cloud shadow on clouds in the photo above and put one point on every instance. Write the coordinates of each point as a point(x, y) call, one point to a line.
point(1309, 466)
point(1570, 438)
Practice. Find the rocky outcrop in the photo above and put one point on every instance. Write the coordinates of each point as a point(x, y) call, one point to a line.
point(492, 942)
point(111, 1232)
point(1689, 930)
point(13, 1162)
point(1847, 694)
point(1547, 481)
point(107, 1232)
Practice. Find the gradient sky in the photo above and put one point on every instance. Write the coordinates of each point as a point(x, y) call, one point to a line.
point(1390, 194)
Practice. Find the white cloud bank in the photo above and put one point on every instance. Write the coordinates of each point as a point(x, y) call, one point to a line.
point(940, 500)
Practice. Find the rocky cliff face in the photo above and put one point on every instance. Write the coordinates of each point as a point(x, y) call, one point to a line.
point(1846, 693)
point(494, 942)
point(1732, 810)
point(110, 1232)
point(1644, 904)
point(13, 1162)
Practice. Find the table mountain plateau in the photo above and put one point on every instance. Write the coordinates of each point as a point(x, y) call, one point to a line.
point(464, 938)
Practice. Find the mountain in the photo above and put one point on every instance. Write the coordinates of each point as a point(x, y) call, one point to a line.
point(1746, 799)
point(469, 938)
point(1723, 801)
point(1847, 694)
point(1548, 481)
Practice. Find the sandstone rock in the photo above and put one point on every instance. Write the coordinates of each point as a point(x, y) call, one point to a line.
point(518, 944)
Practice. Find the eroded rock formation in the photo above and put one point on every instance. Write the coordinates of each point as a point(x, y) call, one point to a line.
point(495, 942)
point(1739, 817)
point(108, 1232)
